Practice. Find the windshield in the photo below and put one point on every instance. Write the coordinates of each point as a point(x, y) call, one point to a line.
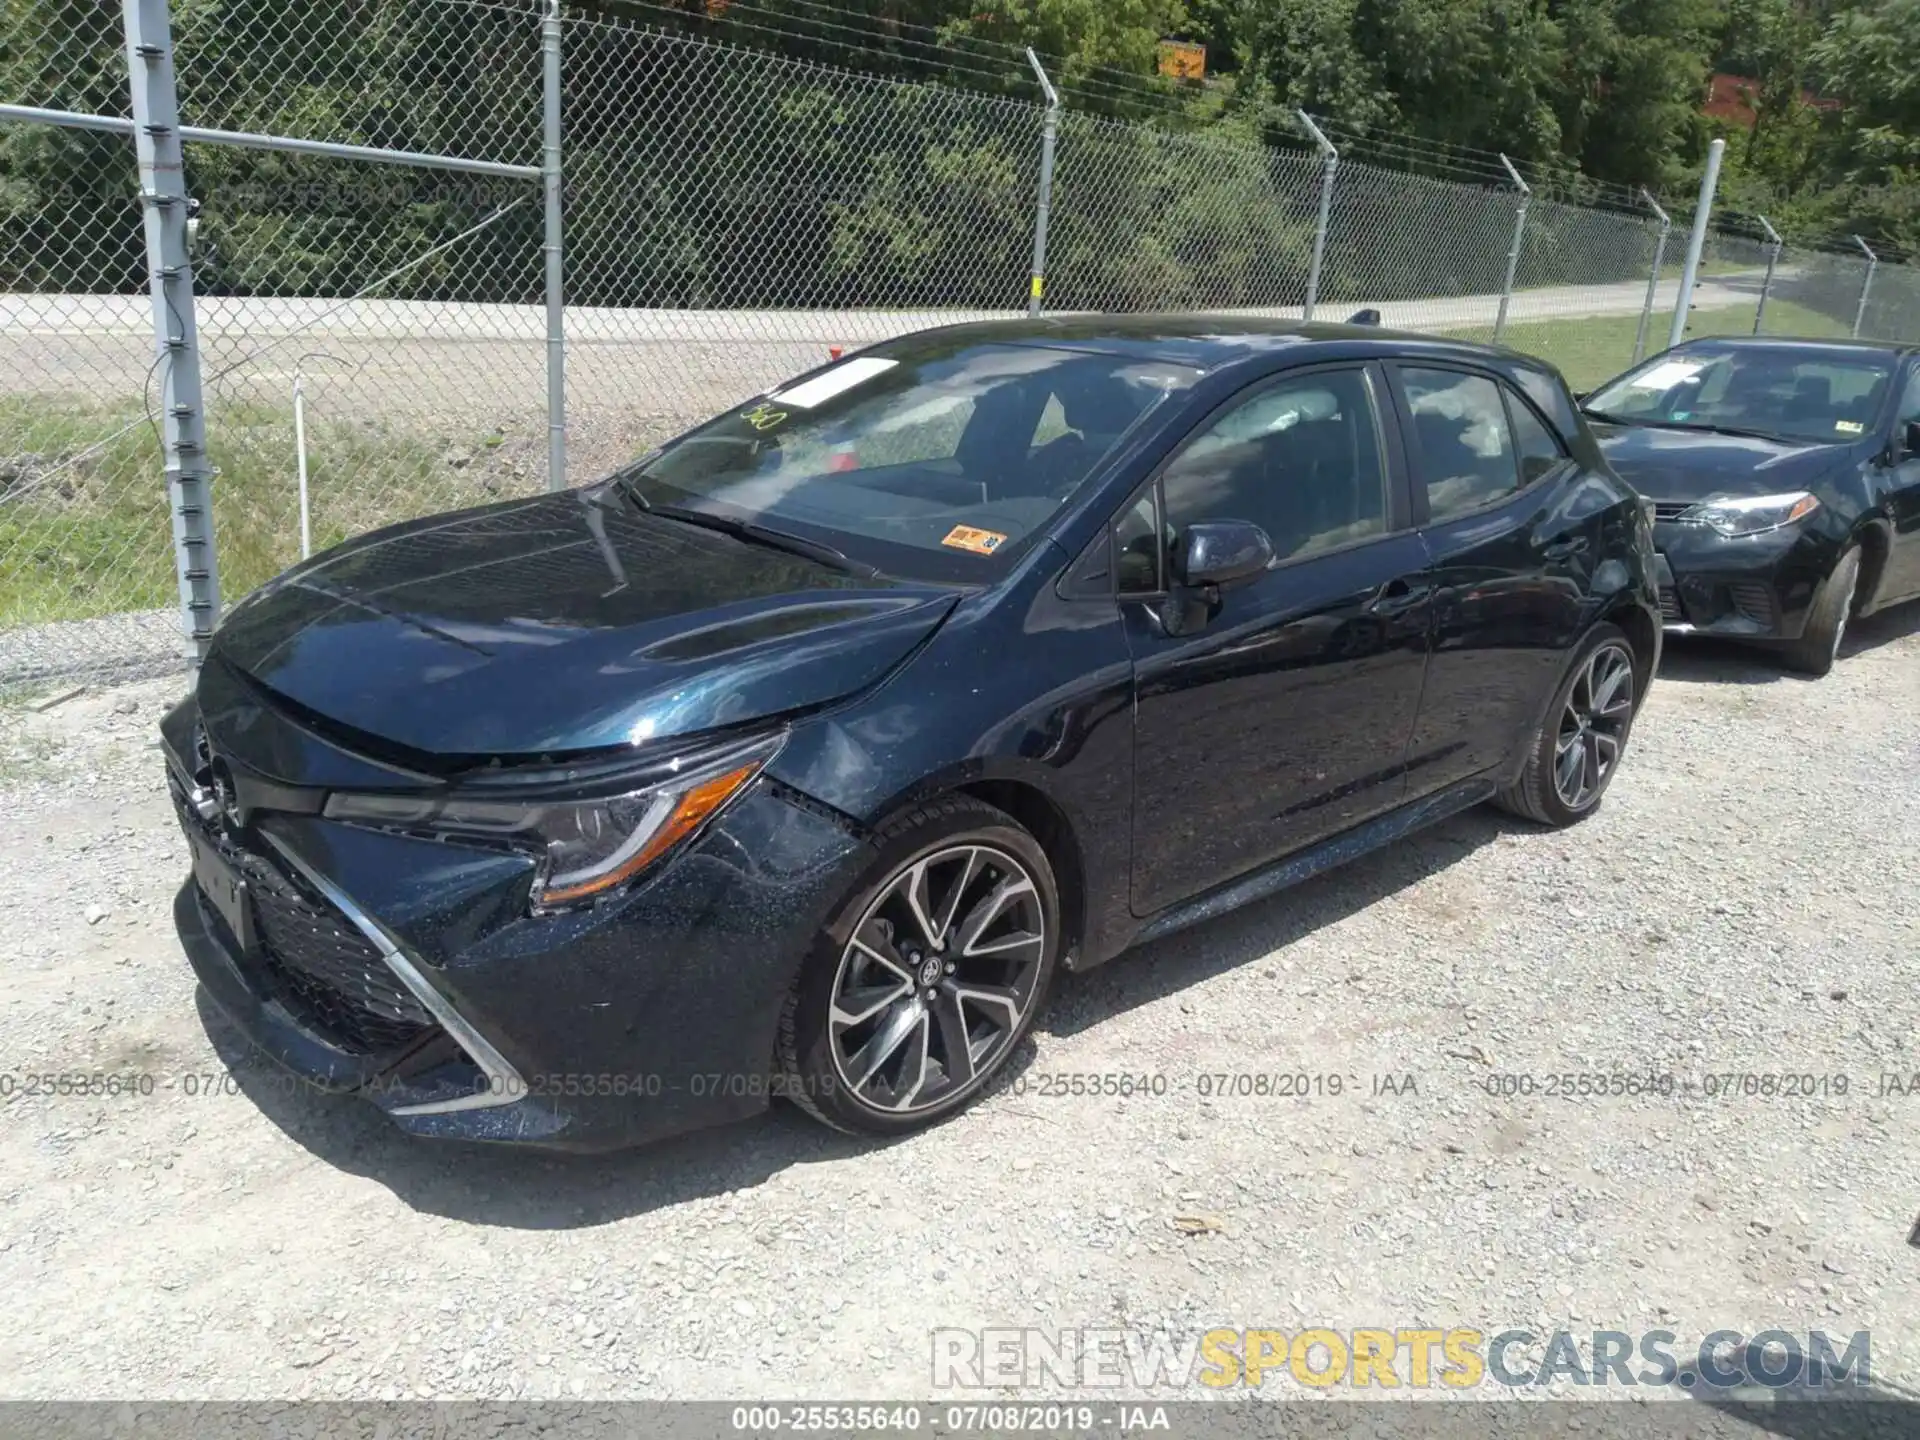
point(1790, 394)
point(930, 457)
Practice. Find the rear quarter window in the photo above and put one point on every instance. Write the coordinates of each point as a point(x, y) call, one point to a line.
point(1551, 398)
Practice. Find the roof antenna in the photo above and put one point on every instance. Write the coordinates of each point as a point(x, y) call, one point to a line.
point(1364, 317)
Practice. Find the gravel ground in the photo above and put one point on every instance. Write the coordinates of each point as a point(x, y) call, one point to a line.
point(1744, 902)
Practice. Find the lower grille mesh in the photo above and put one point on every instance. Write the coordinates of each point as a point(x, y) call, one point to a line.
point(316, 962)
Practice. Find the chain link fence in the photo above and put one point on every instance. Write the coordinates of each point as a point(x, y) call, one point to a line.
point(733, 215)
point(374, 321)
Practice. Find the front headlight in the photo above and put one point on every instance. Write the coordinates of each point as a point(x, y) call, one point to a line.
point(1753, 515)
point(590, 846)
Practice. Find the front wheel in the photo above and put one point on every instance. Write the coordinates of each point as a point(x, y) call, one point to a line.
point(918, 991)
point(1819, 644)
point(1578, 749)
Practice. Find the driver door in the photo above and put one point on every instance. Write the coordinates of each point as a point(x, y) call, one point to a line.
point(1276, 712)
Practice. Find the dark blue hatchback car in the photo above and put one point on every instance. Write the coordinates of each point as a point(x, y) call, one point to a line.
point(795, 759)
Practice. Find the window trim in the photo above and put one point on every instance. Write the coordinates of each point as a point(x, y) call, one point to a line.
point(1417, 480)
point(1393, 460)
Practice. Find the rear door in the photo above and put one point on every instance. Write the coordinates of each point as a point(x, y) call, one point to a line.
point(1279, 713)
point(1497, 500)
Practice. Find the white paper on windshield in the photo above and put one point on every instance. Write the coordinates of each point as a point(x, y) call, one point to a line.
point(837, 381)
point(1665, 377)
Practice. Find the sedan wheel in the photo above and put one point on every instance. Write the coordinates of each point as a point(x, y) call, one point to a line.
point(936, 969)
point(1593, 726)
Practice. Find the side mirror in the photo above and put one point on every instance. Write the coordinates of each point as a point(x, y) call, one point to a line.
point(1222, 552)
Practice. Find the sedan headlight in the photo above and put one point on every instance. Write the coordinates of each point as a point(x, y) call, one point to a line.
point(1734, 516)
point(589, 846)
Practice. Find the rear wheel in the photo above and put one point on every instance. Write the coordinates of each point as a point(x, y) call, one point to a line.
point(1578, 749)
point(1819, 644)
point(922, 986)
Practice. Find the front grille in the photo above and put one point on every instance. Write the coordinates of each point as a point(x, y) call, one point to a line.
point(1671, 509)
point(1670, 610)
point(315, 961)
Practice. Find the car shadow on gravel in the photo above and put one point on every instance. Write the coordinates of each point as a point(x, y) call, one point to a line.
point(519, 1189)
point(1162, 967)
point(1727, 662)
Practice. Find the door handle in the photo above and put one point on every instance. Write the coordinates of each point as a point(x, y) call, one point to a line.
point(1397, 595)
point(1564, 549)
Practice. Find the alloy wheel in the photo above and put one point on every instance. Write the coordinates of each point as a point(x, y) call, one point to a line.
point(937, 978)
point(1593, 726)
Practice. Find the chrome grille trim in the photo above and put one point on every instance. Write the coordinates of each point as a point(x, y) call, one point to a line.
point(504, 1084)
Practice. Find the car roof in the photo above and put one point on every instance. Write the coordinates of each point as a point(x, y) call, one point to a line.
point(1794, 342)
point(1205, 341)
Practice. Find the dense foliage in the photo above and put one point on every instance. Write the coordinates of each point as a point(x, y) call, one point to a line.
point(700, 176)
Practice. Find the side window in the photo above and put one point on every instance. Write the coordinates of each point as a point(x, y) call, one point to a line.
point(1466, 449)
point(1538, 447)
point(1910, 402)
point(1301, 459)
point(1136, 547)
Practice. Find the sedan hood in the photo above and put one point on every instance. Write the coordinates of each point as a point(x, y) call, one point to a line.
point(1687, 465)
point(566, 623)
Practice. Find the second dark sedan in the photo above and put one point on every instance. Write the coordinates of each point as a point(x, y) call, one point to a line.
point(1785, 479)
point(798, 757)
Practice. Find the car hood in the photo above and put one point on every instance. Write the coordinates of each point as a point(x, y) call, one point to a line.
point(1677, 465)
point(566, 623)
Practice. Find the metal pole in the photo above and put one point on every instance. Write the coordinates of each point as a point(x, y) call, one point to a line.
point(1329, 163)
point(1774, 245)
point(300, 452)
point(556, 246)
point(284, 144)
point(1653, 275)
point(163, 196)
point(1049, 131)
point(1866, 286)
point(1513, 255)
point(1696, 241)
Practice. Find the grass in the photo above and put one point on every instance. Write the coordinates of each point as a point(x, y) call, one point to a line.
point(1594, 348)
point(84, 521)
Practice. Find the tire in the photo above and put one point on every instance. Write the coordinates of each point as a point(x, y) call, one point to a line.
point(1553, 789)
point(898, 998)
point(1819, 644)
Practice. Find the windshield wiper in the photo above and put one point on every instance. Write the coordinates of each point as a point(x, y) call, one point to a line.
point(762, 535)
point(1654, 424)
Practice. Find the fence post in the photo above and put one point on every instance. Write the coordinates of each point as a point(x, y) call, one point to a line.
point(1049, 131)
point(164, 201)
point(1774, 246)
point(1696, 242)
point(1653, 276)
point(1330, 163)
point(1513, 255)
point(556, 248)
point(1866, 285)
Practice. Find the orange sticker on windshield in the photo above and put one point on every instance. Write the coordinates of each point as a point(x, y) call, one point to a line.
point(981, 542)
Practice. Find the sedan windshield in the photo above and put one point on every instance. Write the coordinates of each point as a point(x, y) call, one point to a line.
point(931, 458)
point(1777, 391)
